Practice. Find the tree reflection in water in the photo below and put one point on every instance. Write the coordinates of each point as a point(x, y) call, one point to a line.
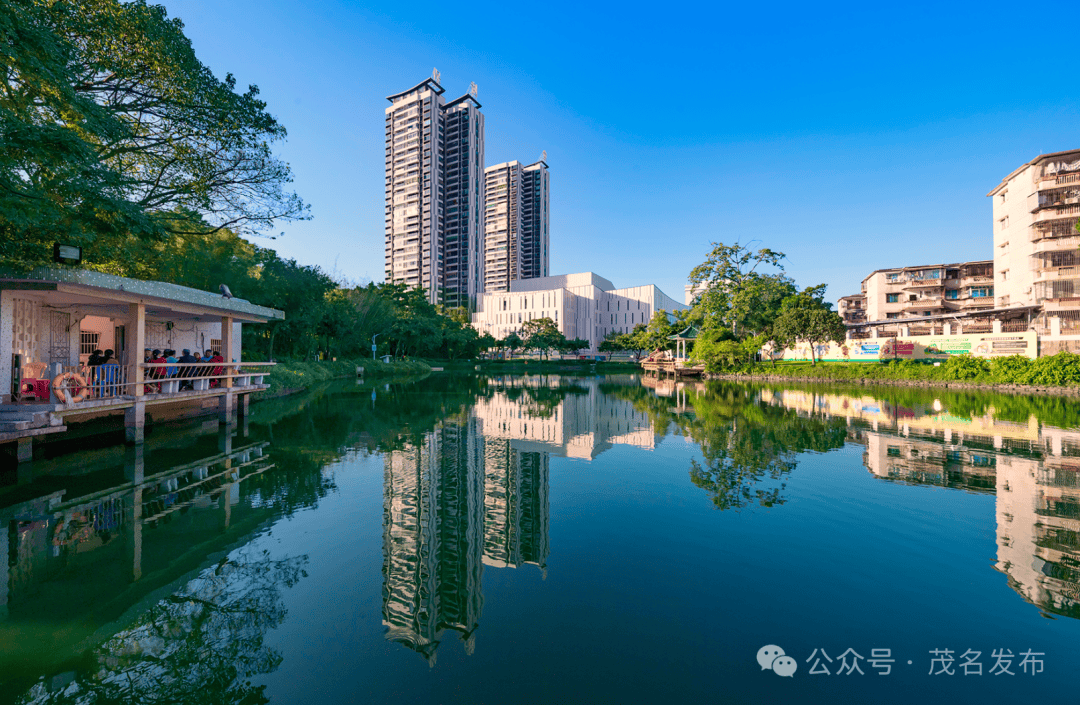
point(202, 644)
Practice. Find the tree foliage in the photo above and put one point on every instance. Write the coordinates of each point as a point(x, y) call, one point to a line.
point(738, 294)
point(807, 317)
point(112, 126)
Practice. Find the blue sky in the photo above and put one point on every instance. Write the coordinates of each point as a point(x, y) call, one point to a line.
point(850, 136)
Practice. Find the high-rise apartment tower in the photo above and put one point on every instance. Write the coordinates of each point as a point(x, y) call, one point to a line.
point(434, 193)
point(515, 223)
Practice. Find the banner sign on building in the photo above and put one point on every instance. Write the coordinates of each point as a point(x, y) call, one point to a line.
point(923, 347)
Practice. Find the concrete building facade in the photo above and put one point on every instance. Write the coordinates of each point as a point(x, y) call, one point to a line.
point(926, 290)
point(1035, 211)
point(434, 193)
point(582, 305)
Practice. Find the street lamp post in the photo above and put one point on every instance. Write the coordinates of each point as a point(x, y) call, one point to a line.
point(373, 348)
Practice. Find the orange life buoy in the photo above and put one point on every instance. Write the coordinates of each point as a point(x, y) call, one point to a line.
point(66, 393)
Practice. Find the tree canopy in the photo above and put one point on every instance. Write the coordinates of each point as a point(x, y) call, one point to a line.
point(113, 127)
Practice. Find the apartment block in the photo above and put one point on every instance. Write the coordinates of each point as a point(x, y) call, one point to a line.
point(414, 188)
point(515, 223)
point(851, 308)
point(535, 220)
point(434, 193)
point(583, 305)
point(463, 199)
point(926, 290)
point(1036, 245)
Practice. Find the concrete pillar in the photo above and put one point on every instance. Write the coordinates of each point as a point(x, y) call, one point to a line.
point(136, 343)
point(135, 418)
point(999, 442)
point(996, 327)
point(226, 348)
point(1055, 444)
point(7, 343)
point(947, 329)
point(226, 406)
point(25, 449)
point(874, 332)
point(948, 435)
point(1055, 326)
point(242, 405)
point(905, 331)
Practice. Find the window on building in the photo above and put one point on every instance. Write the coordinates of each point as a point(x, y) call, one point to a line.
point(88, 342)
point(215, 345)
point(952, 293)
point(892, 315)
point(892, 298)
point(1004, 222)
point(980, 292)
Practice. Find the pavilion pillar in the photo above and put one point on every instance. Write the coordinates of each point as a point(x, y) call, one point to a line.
point(226, 349)
point(136, 374)
point(7, 344)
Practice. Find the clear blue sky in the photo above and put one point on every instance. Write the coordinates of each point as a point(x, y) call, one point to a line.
point(851, 136)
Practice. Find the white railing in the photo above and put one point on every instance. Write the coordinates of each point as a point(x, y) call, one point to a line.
point(172, 377)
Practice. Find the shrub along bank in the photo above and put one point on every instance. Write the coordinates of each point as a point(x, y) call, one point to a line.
point(1061, 370)
point(289, 377)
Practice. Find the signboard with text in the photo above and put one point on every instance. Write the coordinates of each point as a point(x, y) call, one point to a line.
point(924, 347)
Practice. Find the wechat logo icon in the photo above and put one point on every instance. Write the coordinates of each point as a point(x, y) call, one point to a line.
point(772, 657)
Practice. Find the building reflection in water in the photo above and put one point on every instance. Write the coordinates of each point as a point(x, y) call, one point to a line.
point(88, 553)
point(474, 493)
point(1032, 469)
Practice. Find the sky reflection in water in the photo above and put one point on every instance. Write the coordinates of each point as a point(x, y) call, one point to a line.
point(546, 538)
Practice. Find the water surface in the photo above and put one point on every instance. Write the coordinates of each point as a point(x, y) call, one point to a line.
point(556, 539)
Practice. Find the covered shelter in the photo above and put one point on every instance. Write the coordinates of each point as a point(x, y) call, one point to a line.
point(686, 335)
point(52, 319)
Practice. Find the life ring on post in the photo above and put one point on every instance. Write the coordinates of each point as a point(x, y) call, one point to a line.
point(66, 393)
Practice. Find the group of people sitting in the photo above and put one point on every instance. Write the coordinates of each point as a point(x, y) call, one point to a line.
point(103, 374)
point(168, 367)
point(102, 370)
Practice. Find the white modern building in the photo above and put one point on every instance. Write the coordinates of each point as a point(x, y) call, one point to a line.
point(582, 305)
point(434, 192)
point(516, 223)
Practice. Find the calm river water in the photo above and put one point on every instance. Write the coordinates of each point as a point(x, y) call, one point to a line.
point(556, 539)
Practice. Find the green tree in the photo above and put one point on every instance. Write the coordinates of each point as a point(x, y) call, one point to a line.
point(542, 335)
point(656, 334)
point(807, 317)
point(512, 342)
point(112, 126)
point(738, 295)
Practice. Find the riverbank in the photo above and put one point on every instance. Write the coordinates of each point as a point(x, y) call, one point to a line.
point(290, 377)
point(1059, 377)
point(527, 366)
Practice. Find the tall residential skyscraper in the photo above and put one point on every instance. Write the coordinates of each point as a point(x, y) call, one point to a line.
point(502, 225)
point(534, 220)
point(515, 224)
point(434, 192)
point(463, 199)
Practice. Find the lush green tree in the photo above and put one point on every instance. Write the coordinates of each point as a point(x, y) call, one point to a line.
point(512, 342)
point(738, 294)
point(542, 335)
point(112, 126)
point(808, 318)
point(656, 334)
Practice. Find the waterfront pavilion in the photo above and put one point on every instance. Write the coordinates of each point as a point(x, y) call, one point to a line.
point(51, 320)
